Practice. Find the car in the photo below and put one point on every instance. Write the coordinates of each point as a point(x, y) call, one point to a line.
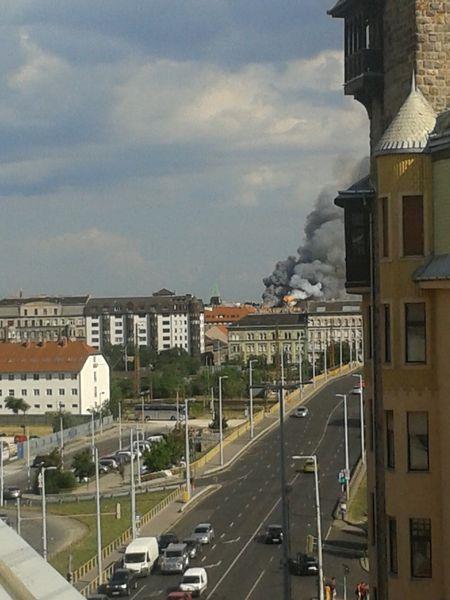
point(356, 390)
point(118, 459)
point(204, 533)
point(12, 493)
point(103, 469)
point(174, 559)
point(179, 595)
point(121, 583)
point(300, 412)
point(194, 546)
point(167, 538)
point(274, 534)
point(309, 466)
point(111, 463)
point(304, 564)
point(195, 581)
point(124, 455)
point(155, 438)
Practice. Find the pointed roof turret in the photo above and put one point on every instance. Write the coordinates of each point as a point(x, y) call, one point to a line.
point(410, 129)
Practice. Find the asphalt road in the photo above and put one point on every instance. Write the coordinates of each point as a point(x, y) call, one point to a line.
point(239, 565)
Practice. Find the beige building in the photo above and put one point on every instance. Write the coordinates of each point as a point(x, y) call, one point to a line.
point(397, 230)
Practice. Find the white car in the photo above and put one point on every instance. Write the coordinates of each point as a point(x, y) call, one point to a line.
point(195, 581)
point(356, 390)
point(300, 412)
point(204, 533)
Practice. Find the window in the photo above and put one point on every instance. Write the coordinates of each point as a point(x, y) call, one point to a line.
point(55, 311)
point(62, 391)
point(390, 440)
point(392, 540)
point(37, 405)
point(11, 376)
point(49, 406)
point(23, 376)
point(11, 393)
point(35, 311)
point(36, 376)
point(25, 312)
point(415, 332)
point(387, 333)
point(412, 225)
point(24, 392)
point(74, 392)
point(36, 392)
point(73, 376)
point(61, 376)
point(74, 405)
point(49, 392)
point(48, 376)
point(420, 544)
point(418, 458)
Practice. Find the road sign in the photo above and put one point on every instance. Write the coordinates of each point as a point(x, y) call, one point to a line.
point(342, 476)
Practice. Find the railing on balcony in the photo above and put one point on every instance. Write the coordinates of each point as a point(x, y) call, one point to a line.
point(362, 62)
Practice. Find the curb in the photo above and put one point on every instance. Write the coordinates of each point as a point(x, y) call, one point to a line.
point(203, 493)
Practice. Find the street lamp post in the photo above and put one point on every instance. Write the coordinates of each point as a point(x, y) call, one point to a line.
point(340, 349)
point(347, 461)
point(284, 505)
point(93, 434)
point(132, 488)
point(325, 366)
point(250, 381)
point(300, 365)
point(44, 509)
point(61, 429)
point(99, 524)
point(19, 518)
point(220, 418)
point(361, 417)
point(186, 452)
point(314, 362)
point(120, 424)
point(350, 343)
point(318, 520)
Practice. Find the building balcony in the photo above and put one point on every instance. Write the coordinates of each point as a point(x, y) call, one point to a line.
point(364, 72)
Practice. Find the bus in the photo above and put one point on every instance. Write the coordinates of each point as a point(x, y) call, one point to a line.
point(159, 412)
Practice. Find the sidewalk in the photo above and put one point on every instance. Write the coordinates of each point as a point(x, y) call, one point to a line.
point(209, 465)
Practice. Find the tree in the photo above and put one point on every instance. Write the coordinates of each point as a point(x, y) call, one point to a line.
point(215, 423)
point(16, 404)
point(158, 457)
point(83, 464)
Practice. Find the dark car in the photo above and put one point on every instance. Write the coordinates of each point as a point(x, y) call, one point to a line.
point(194, 546)
point(304, 564)
point(274, 534)
point(12, 493)
point(165, 539)
point(121, 583)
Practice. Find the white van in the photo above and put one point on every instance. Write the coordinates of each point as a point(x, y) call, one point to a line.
point(140, 555)
point(195, 581)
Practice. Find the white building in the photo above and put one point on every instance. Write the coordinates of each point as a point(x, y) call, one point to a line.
point(53, 376)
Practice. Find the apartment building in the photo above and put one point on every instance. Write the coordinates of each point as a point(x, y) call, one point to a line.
point(42, 318)
point(397, 231)
point(161, 321)
point(52, 376)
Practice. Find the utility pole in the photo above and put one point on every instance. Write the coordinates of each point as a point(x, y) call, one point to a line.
point(137, 363)
point(347, 461)
point(221, 418)
point(132, 489)
point(186, 441)
point(93, 434)
point(340, 349)
point(314, 362)
point(61, 429)
point(28, 460)
point(300, 366)
point(250, 381)
point(120, 424)
point(99, 524)
point(284, 506)
point(19, 519)
point(325, 366)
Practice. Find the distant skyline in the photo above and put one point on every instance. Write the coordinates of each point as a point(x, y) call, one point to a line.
point(172, 143)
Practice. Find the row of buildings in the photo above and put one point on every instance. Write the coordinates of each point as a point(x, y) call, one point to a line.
point(397, 231)
point(161, 321)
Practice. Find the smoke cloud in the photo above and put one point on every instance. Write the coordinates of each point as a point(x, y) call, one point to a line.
point(318, 272)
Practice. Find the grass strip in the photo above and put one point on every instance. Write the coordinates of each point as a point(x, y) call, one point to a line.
point(112, 528)
point(357, 510)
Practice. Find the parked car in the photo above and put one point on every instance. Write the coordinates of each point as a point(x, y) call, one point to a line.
point(111, 463)
point(124, 455)
point(155, 439)
point(121, 583)
point(274, 534)
point(356, 390)
point(175, 559)
point(195, 581)
point(12, 493)
point(179, 595)
point(309, 466)
point(194, 546)
point(118, 459)
point(204, 533)
point(300, 412)
point(167, 538)
point(304, 564)
point(103, 469)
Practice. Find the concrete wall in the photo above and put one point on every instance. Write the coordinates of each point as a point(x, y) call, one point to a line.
point(441, 195)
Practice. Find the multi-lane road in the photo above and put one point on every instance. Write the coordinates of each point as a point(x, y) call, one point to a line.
point(239, 565)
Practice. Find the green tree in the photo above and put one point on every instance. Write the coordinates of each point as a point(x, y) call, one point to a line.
point(158, 457)
point(16, 404)
point(215, 423)
point(57, 481)
point(83, 464)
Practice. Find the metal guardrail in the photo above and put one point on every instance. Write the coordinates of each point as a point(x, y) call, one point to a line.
point(91, 564)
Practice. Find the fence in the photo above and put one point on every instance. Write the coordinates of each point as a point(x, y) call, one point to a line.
point(43, 445)
point(117, 543)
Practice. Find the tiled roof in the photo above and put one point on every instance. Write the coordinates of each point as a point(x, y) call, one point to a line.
point(410, 129)
point(435, 269)
point(440, 138)
point(48, 357)
point(227, 313)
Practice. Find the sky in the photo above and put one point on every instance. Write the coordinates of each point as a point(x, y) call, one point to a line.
point(166, 143)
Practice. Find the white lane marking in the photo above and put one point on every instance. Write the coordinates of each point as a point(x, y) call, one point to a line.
point(214, 545)
point(261, 575)
point(328, 532)
point(222, 535)
point(232, 524)
point(271, 558)
point(260, 490)
point(266, 482)
point(226, 499)
point(138, 592)
point(217, 564)
point(233, 541)
point(203, 558)
point(247, 505)
point(239, 515)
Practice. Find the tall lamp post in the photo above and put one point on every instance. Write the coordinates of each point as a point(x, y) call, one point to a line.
point(42, 472)
point(132, 489)
point(99, 524)
point(93, 434)
point(250, 381)
point(61, 430)
point(221, 418)
point(120, 424)
point(186, 451)
point(361, 417)
point(318, 520)
point(347, 461)
point(300, 365)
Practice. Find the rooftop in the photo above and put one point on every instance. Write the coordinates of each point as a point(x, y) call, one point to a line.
point(438, 268)
point(48, 357)
point(358, 190)
point(410, 129)
point(271, 320)
point(227, 313)
point(52, 299)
